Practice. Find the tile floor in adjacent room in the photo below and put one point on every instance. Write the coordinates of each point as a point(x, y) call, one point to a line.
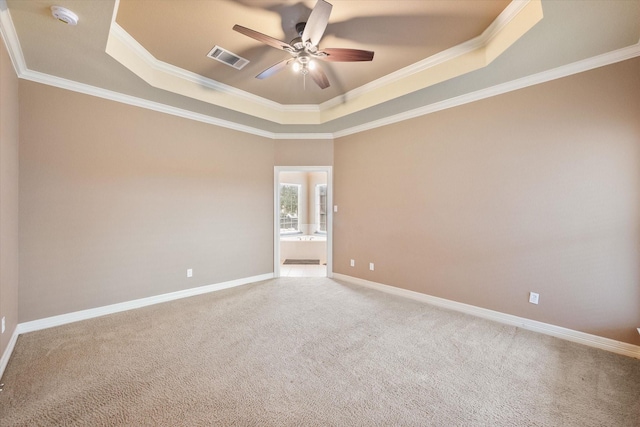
point(296, 270)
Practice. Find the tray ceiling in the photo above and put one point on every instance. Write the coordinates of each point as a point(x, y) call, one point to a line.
point(429, 55)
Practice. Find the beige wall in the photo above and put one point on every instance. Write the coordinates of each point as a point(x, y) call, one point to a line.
point(535, 190)
point(116, 202)
point(304, 152)
point(8, 196)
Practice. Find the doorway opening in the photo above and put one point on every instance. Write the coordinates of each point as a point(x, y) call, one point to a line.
point(303, 221)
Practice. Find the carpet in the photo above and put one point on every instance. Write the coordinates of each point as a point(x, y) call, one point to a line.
point(301, 262)
point(310, 352)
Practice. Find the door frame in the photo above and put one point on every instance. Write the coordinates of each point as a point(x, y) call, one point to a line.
point(276, 212)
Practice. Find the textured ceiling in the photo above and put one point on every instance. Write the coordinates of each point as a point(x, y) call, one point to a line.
point(176, 35)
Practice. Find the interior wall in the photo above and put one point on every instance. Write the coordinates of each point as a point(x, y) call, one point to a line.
point(534, 190)
point(8, 197)
point(117, 202)
point(304, 152)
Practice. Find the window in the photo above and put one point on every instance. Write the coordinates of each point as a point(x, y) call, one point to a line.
point(289, 200)
point(321, 208)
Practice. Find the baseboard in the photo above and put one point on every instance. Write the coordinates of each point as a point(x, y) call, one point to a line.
point(49, 322)
point(8, 351)
point(595, 341)
point(77, 316)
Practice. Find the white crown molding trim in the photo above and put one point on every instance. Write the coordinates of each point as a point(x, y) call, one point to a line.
point(303, 136)
point(162, 66)
point(594, 341)
point(11, 41)
point(517, 18)
point(4, 360)
point(71, 85)
point(521, 83)
point(132, 55)
point(9, 35)
point(63, 319)
point(122, 35)
point(506, 16)
point(545, 76)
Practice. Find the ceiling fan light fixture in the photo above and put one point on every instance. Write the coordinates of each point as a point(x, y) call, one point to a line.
point(305, 47)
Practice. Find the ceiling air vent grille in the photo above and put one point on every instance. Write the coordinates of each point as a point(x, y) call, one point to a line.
point(226, 57)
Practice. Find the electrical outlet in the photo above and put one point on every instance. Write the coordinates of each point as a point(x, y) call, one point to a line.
point(353, 263)
point(3, 324)
point(533, 297)
point(335, 208)
point(371, 266)
point(190, 272)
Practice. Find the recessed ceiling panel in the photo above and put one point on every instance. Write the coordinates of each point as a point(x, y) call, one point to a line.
point(401, 33)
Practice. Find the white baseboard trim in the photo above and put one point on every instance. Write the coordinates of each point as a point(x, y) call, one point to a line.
point(8, 351)
point(49, 322)
point(595, 341)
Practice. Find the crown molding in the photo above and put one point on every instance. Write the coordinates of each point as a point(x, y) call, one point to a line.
point(7, 30)
point(86, 89)
point(122, 47)
point(534, 79)
point(514, 21)
point(122, 35)
point(505, 17)
point(10, 37)
point(321, 135)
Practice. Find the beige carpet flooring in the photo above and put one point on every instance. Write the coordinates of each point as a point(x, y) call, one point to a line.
point(310, 352)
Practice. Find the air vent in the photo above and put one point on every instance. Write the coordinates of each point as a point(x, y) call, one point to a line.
point(226, 57)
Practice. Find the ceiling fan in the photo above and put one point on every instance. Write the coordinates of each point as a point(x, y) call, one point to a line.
point(304, 48)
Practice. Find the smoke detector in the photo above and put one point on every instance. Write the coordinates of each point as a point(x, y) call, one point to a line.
point(65, 15)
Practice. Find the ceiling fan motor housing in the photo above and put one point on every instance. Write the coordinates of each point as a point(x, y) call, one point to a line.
point(297, 43)
point(300, 28)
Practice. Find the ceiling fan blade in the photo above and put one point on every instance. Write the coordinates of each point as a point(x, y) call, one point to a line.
point(274, 69)
point(319, 77)
point(346, 55)
point(263, 38)
point(317, 22)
